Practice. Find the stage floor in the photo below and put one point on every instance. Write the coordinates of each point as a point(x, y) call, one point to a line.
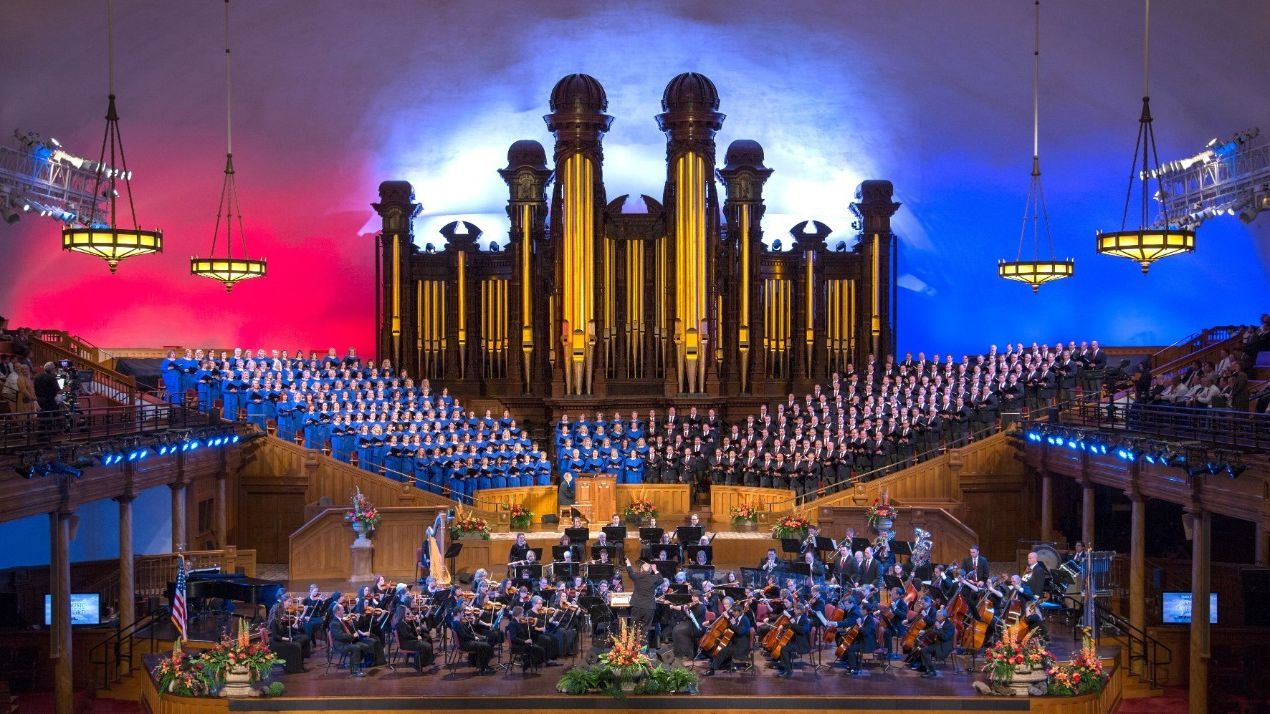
point(461, 689)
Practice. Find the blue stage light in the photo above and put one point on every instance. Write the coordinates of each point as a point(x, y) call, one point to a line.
point(1150, 458)
point(234, 440)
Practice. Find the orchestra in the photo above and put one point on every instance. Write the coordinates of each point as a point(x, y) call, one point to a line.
point(863, 605)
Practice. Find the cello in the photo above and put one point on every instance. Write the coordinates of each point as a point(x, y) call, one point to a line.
point(977, 630)
point(833, 613)
point(847, 639)
point(916, 623)
point(773, 635)
point(717, 636)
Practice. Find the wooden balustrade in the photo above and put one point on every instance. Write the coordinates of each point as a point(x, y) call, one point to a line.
point(319, 550)
point(154, 572)
point(771, 503)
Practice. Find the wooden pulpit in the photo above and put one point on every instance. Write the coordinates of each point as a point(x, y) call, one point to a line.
point(597, 498)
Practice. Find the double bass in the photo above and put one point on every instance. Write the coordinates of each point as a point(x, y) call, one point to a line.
point(976, 631)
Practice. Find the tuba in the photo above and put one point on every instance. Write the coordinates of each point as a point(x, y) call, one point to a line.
point(921, 547)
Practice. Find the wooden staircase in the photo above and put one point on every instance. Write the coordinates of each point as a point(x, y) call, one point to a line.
point(1136, 686)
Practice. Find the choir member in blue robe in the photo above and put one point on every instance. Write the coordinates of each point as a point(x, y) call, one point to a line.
point(171, 371)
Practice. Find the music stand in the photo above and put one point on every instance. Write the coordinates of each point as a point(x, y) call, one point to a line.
point(537, 554)
point(527, 574)
point(860, 544)
point(700, 573)
point(791, 545)
point(616, 534)
point(612, 549)
point(825, 544)
point(558, 551)
point(689, 534)
point(892, 582)
point(650, 535)
point(692, 551)
point(599, 571)
point(679, 598)
point(901, 547)
point(578, 536)
point(735, 592)
point(799, 569)
point(667, 568)
point(752, 577)
point(451, 552)
point(567, 571)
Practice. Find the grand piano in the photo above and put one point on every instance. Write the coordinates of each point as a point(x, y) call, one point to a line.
point(204, 585)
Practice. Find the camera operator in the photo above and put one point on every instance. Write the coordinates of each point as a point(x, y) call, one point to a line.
point(47, 388)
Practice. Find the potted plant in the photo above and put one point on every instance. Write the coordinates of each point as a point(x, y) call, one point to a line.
point(236, 662)
point(183, 675)
point(639, 510)
point(626, 660)
point(1019, 664)
point(882, 514)
point(794, 527)
point(521, 517)
point(469, 526)
point(364, 516)
point(1083, 675)
point(744, 517)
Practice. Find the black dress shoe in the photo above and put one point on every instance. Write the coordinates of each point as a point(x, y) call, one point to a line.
point(708, 672)
point(358, 673)
point(929, 675)
point(485, 671)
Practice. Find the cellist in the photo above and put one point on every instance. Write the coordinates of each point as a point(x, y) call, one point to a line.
point(741, 623)
point(866, 640)
point(800, 644)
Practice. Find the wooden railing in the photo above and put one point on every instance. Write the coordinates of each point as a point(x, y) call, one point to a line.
point(1203, 345)
point(319, 550)
point(52, 346)
point(152, 573)
point(772, 503)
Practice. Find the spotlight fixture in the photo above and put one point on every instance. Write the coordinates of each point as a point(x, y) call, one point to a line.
point(1037, 271)
point(228, 270)
point(1147, 243)
point(112, 243)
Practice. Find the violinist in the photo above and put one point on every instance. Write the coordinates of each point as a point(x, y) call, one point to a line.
point(288, 640)
point(550, 641)
point(314, 606)
point(521, 636)
point(800, 644)
point(685, 634)
point(347, 640)
point(381, 587)
point(480, 652)
point(741, 623)
point(412, 636)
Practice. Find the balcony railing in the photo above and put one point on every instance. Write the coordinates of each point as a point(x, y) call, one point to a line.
point(50, 429)
point(1225, 428)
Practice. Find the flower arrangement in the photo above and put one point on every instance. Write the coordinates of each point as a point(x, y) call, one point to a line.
point(521, 517)
point(1083, 675)
point(625, 669)
point(744, 513)
point(240, 652)
point(791, 527)
point(639, 509)
point(466, 524)
point(1010, 653)
point(363, 512)
point(626, 654)
point(880, 509)
point(183, 675)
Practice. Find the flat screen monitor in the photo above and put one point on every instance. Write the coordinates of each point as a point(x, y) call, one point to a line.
point(1177, 608)
point(85, 609)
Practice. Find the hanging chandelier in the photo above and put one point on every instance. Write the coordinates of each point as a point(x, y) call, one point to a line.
point(1036, 272)
point(111, 242)
point(228, 270)
point(1149, 242)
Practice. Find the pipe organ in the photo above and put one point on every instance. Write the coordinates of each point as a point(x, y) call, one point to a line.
point(596, 304)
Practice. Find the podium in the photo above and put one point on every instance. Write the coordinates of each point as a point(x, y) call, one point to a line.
point(596, 498)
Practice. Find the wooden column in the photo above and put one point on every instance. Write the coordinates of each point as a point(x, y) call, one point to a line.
point(1087, 515)
point(60, 584)
point(222, 520)
point(178, 515)
point(1260, 549)
point(1137, 567)
point(1047, 505)
point(1200, 574)
point(127, 584)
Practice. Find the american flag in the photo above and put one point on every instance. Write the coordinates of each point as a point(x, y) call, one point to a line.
point(178, 598)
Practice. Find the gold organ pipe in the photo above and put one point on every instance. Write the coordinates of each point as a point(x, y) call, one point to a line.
point(396, 285)
point(876, 289)
point(578, 251)
point(526, 280)
point(462, 324)
point(419, 315)
point(744, 317)
point(809, 336)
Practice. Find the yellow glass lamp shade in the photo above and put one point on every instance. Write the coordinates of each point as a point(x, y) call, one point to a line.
point(1146, 245)
point(112, 244)
point(1035, 272)
point(229, 271)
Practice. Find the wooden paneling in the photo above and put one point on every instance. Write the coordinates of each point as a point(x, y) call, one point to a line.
point(270, 511)
point(769, 501)
point(320, 548)
point(596, 498)
point(671, 500)
point(541, 500)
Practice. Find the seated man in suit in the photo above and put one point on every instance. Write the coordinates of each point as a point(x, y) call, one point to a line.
point(800, 644)
point(938, 643)
point(480, 652)
point(521, 637)
point(739, 648)
point(348, 641)
point(412, 636)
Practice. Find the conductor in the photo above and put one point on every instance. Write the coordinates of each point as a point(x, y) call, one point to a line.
point(643, 594)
